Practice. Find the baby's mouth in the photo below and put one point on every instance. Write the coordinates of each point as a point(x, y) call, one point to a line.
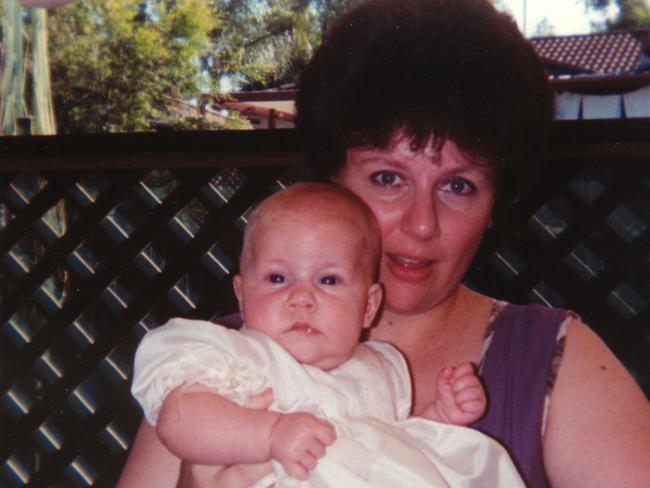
point(304, 328)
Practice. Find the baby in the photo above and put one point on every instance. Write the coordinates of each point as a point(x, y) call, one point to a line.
point(306, 291)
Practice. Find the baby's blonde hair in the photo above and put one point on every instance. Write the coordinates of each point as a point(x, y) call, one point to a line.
point(303, 198)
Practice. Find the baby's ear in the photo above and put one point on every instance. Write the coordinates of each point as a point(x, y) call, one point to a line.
point(236, 284)
point(375, 296)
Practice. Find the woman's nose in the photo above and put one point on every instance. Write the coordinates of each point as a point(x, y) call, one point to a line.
point(301, 297)
point(420, 217)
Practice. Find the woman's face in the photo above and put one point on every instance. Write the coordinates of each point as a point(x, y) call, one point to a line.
point(433, 208)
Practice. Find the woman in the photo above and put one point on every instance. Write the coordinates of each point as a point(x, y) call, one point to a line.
point(432, 112)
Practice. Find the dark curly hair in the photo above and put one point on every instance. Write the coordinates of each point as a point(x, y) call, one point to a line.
point(447, 69)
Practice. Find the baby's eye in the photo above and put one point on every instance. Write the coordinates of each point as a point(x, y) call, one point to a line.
point(329, 280)
point(276, 278)
point(386, 178)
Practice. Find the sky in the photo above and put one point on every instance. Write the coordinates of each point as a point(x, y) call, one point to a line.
point(567, 16)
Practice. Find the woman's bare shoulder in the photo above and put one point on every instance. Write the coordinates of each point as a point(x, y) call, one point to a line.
point(598, 431)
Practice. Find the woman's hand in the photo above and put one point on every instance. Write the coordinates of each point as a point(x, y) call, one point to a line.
point(236, 476)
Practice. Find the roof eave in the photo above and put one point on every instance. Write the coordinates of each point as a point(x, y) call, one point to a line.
point(602, 84)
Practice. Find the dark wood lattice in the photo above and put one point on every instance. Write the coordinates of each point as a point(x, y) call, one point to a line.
point(106, 237)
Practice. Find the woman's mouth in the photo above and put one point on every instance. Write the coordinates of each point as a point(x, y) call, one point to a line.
point(409, 268)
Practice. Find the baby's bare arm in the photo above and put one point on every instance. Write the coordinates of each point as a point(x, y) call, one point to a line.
point(205, 428)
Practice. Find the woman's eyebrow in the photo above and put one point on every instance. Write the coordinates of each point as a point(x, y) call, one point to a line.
point(467, 164)
point(379, 158)
point(485, 171)
point(473, 163)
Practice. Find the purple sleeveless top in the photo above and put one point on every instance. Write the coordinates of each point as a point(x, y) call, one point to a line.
point(516, 370)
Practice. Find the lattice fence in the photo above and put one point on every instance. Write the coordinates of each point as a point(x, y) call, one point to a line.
point(90, 259)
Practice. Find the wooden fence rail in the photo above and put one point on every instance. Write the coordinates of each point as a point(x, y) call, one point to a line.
point(103, 237)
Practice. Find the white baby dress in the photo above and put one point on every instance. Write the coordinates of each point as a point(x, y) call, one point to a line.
point(367, 399)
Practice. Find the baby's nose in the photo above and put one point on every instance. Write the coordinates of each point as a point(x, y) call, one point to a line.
point(301, 297)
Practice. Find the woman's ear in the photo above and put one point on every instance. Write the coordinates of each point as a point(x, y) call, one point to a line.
point(375, 296)
point(236, 284)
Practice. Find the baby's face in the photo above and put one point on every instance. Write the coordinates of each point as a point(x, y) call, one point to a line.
point(306, 286)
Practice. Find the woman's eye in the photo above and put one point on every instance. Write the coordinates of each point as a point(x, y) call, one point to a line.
point(276, 278)
point(461, 186)
point(329, 280)
point(386, 178)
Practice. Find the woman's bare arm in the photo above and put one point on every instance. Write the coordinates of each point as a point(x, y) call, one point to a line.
point(236, 476)
point(598, 432)
point(149, 463)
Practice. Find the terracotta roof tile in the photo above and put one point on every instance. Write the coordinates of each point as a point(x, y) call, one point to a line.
point(601, 53)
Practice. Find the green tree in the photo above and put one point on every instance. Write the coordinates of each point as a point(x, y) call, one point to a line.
point(117, 65)
point(544, 28)
point(267, 43)
point(123, 65)
point(330, 10)
point(259, 41)
point(630, 13)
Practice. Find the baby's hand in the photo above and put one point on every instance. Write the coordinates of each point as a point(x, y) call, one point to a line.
point(298, 440)
point(460, 397)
